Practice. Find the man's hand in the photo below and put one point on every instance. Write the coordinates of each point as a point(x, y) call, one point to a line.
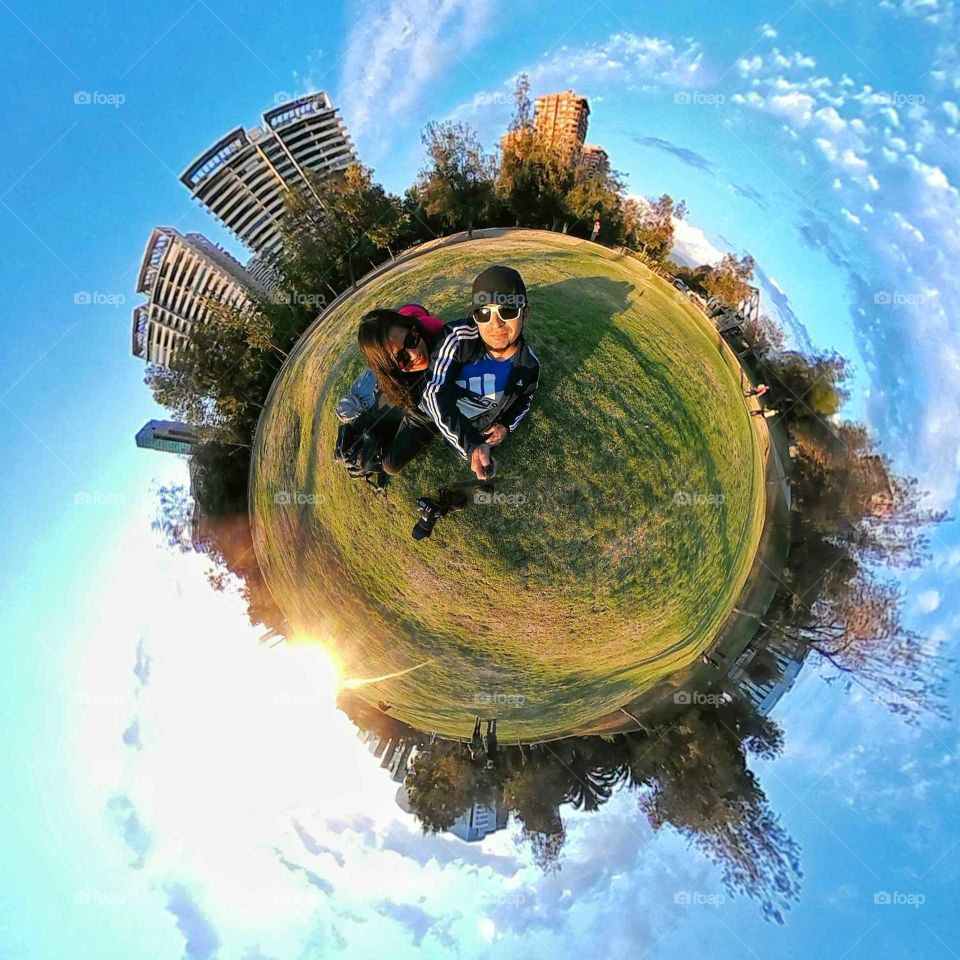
point(482, 462)
point(495, 433)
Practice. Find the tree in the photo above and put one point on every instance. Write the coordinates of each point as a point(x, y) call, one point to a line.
point(335, 222)
point(534, 180)
point(174, 517)
point(729, 280)
point(597, 194)
point(522, 119)
point(648, 225)
point(856, 628)
point(812, 386)
point(442, 784)
point(534, 793)
point(763, 336)
point(850, 493)
point(458, 186)
point(214, 380)
point(699, 783)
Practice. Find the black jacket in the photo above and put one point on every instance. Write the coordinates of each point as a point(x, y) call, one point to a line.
point(461, 345)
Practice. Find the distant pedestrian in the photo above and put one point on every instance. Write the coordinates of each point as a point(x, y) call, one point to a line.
point(490, 744)
point(596, 230)
point(476, 741)
point(758, 391)
point(709, 661)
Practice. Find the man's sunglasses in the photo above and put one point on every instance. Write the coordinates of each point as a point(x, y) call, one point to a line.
point(411, 341)
point(485, 314)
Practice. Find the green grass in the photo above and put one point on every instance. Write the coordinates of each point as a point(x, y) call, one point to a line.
point(594, 588)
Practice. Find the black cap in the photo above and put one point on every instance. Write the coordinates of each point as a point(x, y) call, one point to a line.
point(499, 285)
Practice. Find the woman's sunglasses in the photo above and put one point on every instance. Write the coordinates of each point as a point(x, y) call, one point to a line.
point(485, 314)
point(411, 341)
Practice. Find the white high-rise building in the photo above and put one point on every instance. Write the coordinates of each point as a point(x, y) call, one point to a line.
point(170, 436)
point(244, 177)
point(181, 276)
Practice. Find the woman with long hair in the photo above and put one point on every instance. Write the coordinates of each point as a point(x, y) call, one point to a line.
point(396, 345)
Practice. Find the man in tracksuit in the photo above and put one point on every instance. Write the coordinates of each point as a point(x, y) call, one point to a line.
point(482, 374)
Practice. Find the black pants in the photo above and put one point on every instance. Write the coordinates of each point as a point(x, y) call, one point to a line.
point(403, 437)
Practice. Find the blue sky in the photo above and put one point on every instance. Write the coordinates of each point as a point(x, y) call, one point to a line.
point(820, 137)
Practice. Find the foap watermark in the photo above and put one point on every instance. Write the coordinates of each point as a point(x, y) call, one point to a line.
point(697, 898)
point(98, 898)
point(298, 298)
point(488, 498)
point(512, 898)
point(896, 298)
point(895, 898)
point(291, 498)
point(484, 299)
point(87, 98)
point(897, 99)
point(96, 298)
point(487, 698)
point(698, 98)
point(688, 698)
point(492, 99)
point(297, 698)
point(88, 698)
point(684, 498)
point(97, 498)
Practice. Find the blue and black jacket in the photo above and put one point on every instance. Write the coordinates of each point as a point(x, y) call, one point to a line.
point(460, 345)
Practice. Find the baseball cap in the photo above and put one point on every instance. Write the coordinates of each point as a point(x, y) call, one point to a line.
point(499, 285)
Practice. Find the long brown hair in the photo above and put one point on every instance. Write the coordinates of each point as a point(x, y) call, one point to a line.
point(398, 388)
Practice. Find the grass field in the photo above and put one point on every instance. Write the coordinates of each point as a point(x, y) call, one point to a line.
point(556, 611)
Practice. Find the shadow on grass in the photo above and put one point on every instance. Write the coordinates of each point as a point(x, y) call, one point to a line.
point(686, 423)
point(560, 308)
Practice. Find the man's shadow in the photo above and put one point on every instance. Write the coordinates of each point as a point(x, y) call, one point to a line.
point(590, 303)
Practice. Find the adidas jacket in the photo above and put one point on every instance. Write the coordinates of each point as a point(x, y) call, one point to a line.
point(461, 345)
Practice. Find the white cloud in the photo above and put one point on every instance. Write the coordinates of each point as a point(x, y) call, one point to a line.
point(693, 245)
point(929, 601)
point(795, 107)
point(625, 61)
point(897, 149)
point(261, 824)
point(853, 163)
point(892, 148)
point(397, 51)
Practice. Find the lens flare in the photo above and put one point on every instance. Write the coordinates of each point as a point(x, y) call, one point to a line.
point(364, 681)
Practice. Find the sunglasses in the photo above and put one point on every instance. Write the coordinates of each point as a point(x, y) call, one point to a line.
point(485, 314)
point(411, 341)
